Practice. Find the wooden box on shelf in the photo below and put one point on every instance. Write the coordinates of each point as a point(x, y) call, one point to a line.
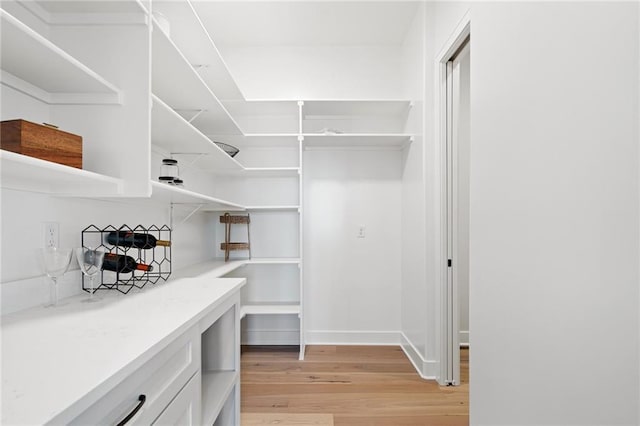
point(40, 141)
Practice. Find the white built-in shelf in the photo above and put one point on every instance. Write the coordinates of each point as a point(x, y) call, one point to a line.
point(259, 140)
point(272, 261)
point(263, 108)
point(356, 140)
point(32, 174)
point(273, 208)
point(216, 388)
point(271, 116)
point(269, 171)
point(218, 267)
point(271, 135)
point(355, 108)
point(86, 12)
point(212, 269)
point(35, 66)
point(191, 37)
point(176, 195)
point(178, 84)
point(270, 309)
point(166, 193)
point(171, 132)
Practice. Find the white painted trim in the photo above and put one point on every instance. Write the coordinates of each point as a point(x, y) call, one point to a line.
point(427, 369)
point(341, 337)
point(463, 338)
point(455, 40)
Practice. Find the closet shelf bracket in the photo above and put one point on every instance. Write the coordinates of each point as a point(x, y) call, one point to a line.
point(198, 155)
point(187, 217)
point(196, 113)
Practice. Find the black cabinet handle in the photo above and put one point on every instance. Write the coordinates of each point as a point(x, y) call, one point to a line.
point(141, 399)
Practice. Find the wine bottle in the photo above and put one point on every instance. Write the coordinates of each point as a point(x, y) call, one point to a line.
point(133, 239)
point(124, 264)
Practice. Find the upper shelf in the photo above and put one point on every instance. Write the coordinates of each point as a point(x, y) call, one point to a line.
point(355, 116)
point(35, 66)
point(273, 116)
point(355, 108)
point(398, 140)
point(176, 135)
point(177, 83)
point(32, 174)
point(86, 12)
point(195, 42)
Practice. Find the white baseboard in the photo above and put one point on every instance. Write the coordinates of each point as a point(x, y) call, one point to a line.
point(427, 369)
point(333, 337)
point(463, 337)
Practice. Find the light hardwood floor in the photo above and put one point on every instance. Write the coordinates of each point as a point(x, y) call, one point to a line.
point(357, 385)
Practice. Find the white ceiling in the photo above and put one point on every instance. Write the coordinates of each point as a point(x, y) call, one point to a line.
point(306, 23)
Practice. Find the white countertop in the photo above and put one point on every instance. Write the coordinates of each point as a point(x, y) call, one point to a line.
point(55, 359)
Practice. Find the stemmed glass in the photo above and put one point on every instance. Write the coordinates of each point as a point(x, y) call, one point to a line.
point(90, 262)
point(55, 261)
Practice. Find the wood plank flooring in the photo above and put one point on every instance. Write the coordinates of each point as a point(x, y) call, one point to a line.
point(357, 385)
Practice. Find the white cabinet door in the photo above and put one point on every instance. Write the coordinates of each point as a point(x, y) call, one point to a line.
point(184, 410)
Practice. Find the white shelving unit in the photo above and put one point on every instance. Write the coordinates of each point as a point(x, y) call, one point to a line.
point(45, 78)
point(273, 208)
point(344, 119)
point(178, 84)
point(216, 388)
point(221, 370)
point(35, 66)
point(194, 101)
point(173, 133)
point(193, 40)
point(357, 140)
point(32, 174)
point(273, 261)
point(266, 116)
point(269, 309)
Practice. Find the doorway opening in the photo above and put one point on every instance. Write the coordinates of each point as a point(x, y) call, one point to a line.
point(454, 64)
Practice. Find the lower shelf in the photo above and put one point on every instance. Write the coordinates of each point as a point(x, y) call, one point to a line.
point(269, 309)
point(216, 388)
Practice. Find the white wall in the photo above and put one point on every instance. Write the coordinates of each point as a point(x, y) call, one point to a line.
point(414, 240)
point(320, 72)
point(554, 211)
point(352, 289)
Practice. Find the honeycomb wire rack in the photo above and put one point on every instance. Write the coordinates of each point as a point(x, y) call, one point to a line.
point(158, 257)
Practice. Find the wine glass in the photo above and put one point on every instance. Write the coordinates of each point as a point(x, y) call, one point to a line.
point(90, 262)
point(55, 262)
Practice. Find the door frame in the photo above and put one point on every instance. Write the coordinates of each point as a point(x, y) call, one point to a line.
point(446, 289)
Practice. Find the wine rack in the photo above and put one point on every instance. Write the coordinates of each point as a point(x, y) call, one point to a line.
point(159, 257)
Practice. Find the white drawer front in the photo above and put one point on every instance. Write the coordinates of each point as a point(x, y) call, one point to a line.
point(159, 380)
point(184, 410)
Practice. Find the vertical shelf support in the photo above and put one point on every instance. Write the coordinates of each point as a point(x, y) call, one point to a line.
point(301, 234)
point(300, 105)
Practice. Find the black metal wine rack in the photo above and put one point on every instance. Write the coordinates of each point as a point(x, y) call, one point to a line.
point(159, 257)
